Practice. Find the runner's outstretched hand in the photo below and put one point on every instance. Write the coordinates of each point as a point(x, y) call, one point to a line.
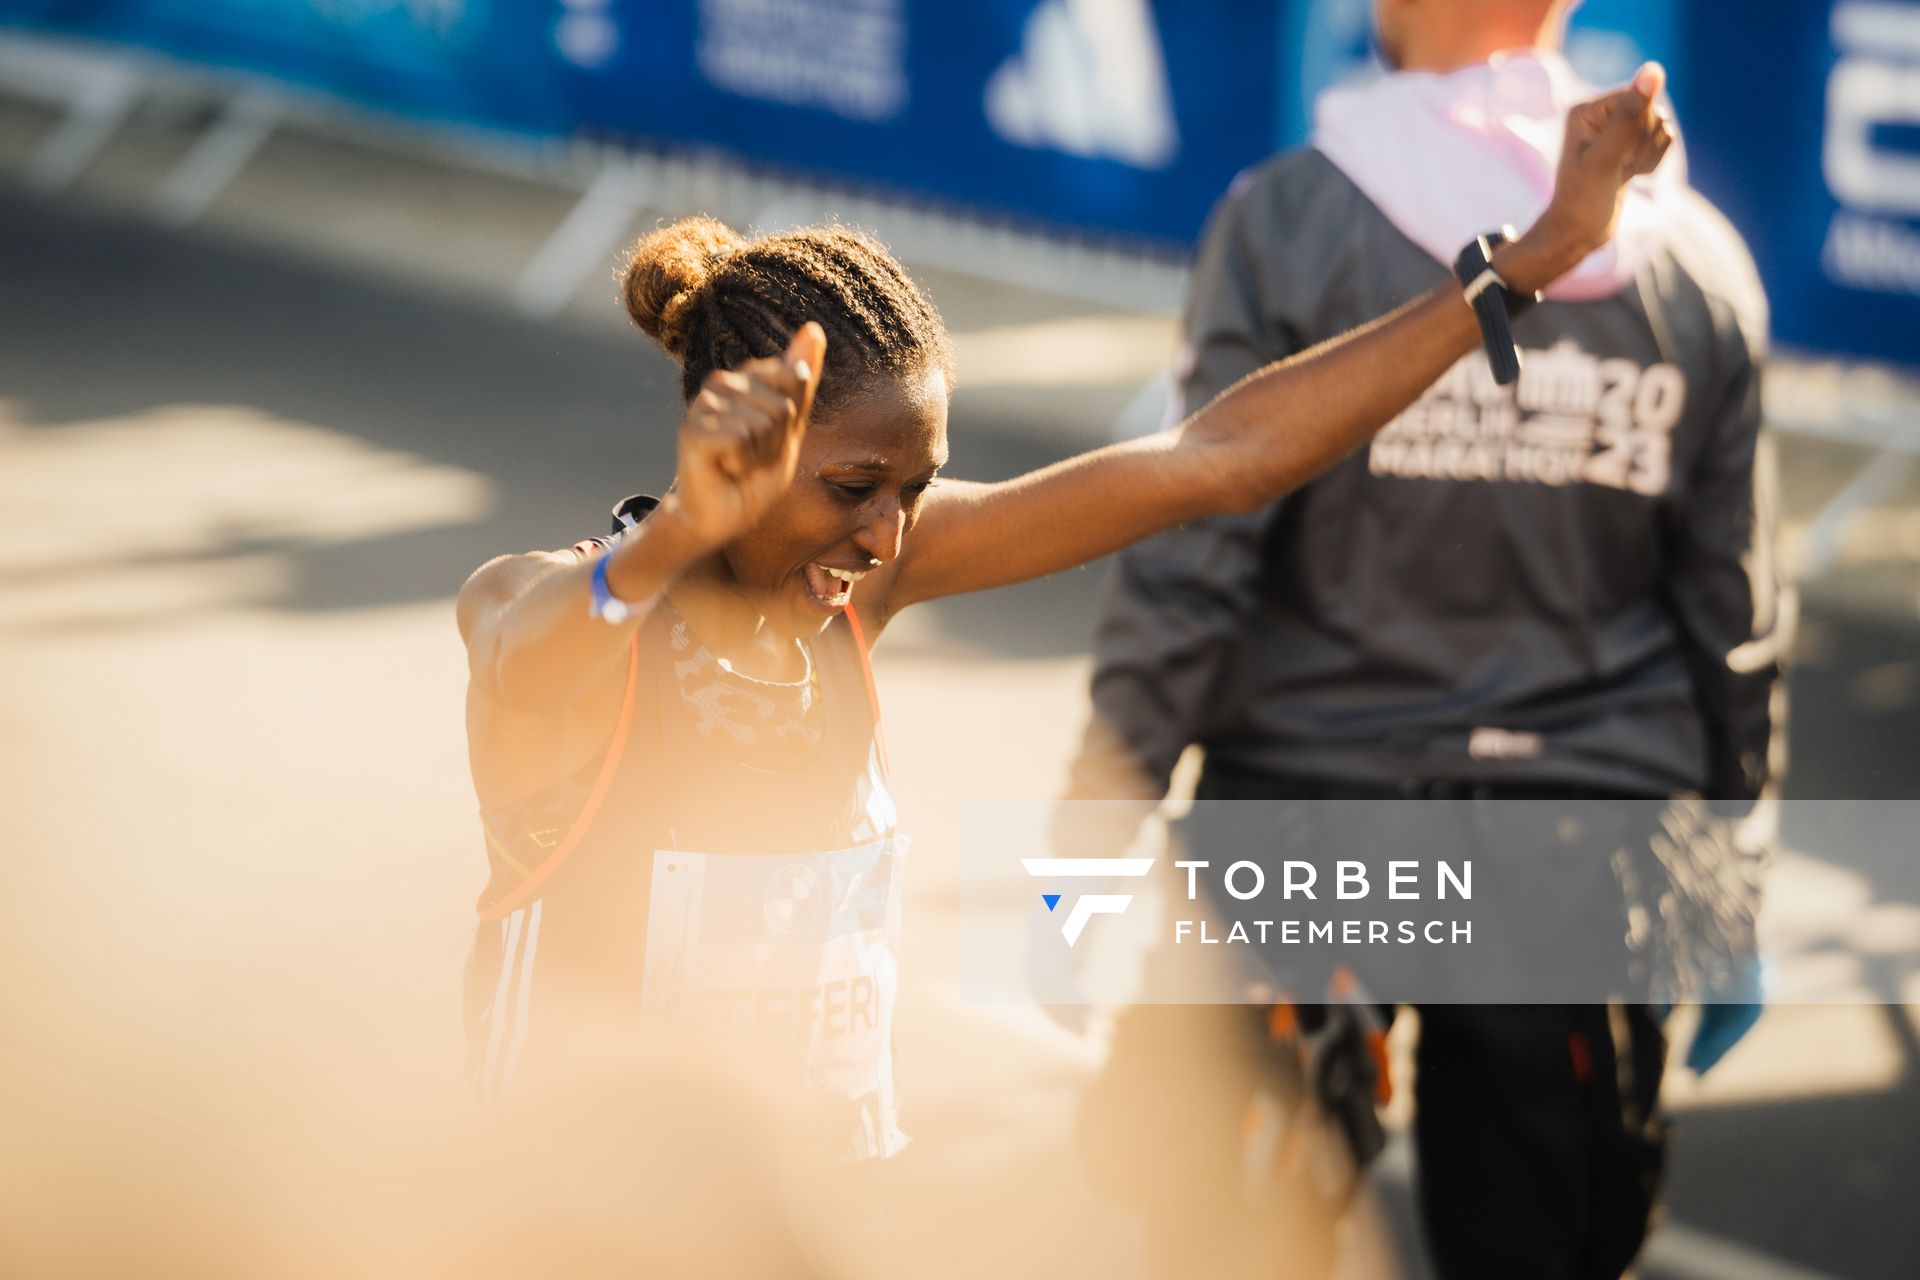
point(1610, 140)
point(740, 438)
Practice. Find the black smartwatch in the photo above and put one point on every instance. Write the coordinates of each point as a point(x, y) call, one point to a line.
point(1494, 304)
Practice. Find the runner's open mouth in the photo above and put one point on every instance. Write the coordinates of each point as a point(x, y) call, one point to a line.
point(831, 587)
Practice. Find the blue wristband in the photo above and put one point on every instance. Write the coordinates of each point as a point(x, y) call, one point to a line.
point(607, 606)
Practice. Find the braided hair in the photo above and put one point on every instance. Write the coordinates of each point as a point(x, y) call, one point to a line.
point(715, 300)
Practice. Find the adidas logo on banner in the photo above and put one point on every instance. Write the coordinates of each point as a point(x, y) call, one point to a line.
point(1090, 80)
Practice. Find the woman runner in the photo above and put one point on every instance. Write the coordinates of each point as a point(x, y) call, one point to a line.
point(673, 732)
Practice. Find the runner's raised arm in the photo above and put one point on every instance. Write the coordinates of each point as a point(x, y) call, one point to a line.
point(1284, 424)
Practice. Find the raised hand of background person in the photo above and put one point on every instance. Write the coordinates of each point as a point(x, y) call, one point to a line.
point(740, 439)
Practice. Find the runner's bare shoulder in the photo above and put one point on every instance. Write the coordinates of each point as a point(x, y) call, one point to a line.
point(488, 591)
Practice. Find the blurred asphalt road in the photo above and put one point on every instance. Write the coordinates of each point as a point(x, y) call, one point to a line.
point(236, 497)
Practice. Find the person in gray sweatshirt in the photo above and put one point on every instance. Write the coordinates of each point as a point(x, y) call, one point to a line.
point(1561, 588)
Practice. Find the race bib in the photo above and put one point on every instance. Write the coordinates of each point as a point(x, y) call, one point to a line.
point(793, 955)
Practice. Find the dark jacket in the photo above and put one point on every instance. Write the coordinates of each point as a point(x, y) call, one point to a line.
point(1568, 581)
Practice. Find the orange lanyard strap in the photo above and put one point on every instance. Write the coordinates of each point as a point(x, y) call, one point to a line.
point(609, 766)
point(873, 694)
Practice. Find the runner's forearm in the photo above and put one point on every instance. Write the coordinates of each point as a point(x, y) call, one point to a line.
point(1282, 425)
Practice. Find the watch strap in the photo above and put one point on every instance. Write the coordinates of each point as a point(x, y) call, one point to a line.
point(1494, 303)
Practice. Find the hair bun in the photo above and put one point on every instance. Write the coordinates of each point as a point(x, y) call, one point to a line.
point(665, 272)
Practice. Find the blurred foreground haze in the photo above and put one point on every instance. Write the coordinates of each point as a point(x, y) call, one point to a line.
point(243, 470)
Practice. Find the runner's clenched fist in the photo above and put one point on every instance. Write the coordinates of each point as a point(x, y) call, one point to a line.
point(740, 438)
point(1610, 140)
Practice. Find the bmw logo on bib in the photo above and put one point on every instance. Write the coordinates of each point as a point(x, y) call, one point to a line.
point(793, 897)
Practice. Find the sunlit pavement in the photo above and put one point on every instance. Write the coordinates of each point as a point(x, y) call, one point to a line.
point(236, 497)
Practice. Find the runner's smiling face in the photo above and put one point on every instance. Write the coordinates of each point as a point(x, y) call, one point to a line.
point(864, 469)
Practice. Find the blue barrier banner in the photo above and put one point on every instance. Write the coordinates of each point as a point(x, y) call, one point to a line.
point(1122, 116)
point(477, 61)
point(1126, 118)
point(1804, 127)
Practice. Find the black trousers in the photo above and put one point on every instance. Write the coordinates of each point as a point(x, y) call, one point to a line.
point(1537, 1127)
point(1539, 1138)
